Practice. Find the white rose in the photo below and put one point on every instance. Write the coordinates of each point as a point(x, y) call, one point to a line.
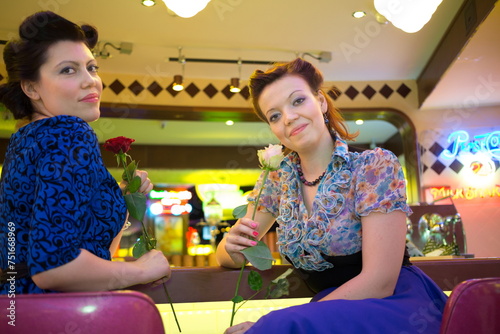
point(270, 157)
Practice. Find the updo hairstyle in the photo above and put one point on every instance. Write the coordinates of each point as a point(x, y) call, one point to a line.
point(24, 57)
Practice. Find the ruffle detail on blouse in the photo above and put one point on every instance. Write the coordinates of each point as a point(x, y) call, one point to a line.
point(304, 239)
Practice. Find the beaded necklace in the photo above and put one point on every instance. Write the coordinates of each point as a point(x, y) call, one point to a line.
point(299, 167)
point(303, 179)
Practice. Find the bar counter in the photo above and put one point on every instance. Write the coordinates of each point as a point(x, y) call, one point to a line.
point(209, 284)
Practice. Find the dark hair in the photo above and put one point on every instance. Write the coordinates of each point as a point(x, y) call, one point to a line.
point(24, 57)
point(302, 68)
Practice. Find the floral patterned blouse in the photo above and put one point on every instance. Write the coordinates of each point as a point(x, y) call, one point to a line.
point(59, 196)
point(354, 185)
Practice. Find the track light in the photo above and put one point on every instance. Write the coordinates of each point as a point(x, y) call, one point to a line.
point(177, 85)
point(235, 82)
point(101, 51)
point(235, 85)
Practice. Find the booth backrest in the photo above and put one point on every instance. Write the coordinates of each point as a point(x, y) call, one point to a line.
point(473, 307)
point(108, 312)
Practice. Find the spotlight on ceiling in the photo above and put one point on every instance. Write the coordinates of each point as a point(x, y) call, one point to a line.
point(235, 85)
point(177, 85)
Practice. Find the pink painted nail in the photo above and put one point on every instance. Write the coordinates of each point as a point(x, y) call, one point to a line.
point(253, 225)
point(255, 233)
point(254, 243)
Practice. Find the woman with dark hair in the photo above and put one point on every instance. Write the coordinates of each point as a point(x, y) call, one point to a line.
point(61, 212)
point(341, 216)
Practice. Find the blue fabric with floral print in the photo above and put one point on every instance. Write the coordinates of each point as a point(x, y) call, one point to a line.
point(354, 185)
point(59, 196)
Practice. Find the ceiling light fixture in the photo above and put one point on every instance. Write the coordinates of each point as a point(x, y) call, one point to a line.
point(358, 14)
point(177, 85)
point(235, 82)
point(186, 8)
point(407, 15)
point(101, 51)
point(235, 85)
point(323, 57)
point(148, 3)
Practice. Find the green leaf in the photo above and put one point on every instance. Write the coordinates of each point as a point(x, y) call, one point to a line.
point(254, 280)
point(237, 299)
point(240, 211)
point(140, 247)
point(134, 185)
point(136, 205)
point(259, 256)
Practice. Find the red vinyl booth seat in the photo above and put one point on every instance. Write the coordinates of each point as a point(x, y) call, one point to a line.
point(81, 312)
point(473, 307)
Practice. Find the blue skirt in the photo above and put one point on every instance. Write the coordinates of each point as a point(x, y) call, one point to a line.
point(415, 307)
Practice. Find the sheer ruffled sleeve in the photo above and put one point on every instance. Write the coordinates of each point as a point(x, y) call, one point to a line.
point(380, 183)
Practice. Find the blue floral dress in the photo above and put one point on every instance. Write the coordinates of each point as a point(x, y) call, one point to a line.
point(324, 246)
point(57, 193)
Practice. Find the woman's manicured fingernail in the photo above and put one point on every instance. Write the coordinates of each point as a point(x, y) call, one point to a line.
point(255, 233)
point(254, 243)
point(253, 225)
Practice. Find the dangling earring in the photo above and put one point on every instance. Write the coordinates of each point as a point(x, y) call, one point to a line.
point(332, 132)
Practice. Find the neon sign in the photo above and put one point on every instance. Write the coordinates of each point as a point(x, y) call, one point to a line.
point(464, 193)
point(171, 202)
point(488, 143)
point(182, 195)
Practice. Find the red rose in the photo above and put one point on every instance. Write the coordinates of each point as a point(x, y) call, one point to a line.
point(118, 145)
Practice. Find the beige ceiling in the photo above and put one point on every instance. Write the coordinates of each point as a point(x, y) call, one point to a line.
point(275, 30)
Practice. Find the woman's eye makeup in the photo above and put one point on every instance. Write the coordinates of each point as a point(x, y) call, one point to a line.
point(298, 101)
point(67, 70)
point(272, 116)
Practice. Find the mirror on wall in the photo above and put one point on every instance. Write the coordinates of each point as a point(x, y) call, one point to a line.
point(194, 136)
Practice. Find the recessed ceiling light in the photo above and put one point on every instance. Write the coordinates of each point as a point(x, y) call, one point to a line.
point(229, 122)
point(358, 14)
point(359, 122)
point(148, 3)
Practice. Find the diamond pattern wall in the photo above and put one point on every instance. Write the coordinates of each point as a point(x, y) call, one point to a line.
point(352, 92)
